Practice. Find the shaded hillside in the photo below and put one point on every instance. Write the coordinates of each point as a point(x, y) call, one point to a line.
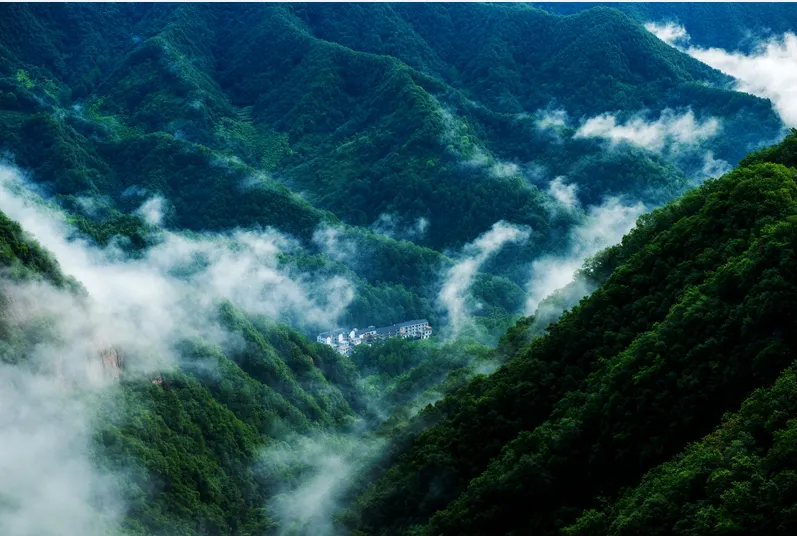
point(698, 315)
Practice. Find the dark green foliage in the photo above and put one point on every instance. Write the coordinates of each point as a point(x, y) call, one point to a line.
point(23, 258)
point(426, 113)
point(740, 479)
point(698, 315)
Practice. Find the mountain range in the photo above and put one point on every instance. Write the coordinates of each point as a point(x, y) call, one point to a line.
point(598, 226)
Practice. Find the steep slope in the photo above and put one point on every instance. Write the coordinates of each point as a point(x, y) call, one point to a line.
point(698, 315)
point(179, 444)
point(739, 479)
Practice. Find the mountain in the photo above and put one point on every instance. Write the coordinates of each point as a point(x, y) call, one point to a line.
point(363, 127)
point(300, 118)
point(693, 322)
point(191, 192)
point(178, 442)
point(731, 26)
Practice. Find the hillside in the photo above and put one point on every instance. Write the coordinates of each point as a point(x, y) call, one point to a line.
point(189, 193)
point(727, 25)
point(173, 440)
point(362, 126)
point(697, 316)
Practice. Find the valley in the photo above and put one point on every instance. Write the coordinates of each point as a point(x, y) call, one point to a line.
point(565, 233)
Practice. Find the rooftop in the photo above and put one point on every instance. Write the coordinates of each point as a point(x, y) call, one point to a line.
point(335, 332)
point(397, 327)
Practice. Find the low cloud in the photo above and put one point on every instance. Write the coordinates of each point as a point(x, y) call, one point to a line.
point(135, 310)
point(49, 485)
point(713, 167)
point(671, 129)
point(603, 226)
point(152, 210)
point(669, 32)
point(551, 119)
point(565, 194)
point(395, 227)
point(314, 473)
point(500, 170)
point(241, 267)
point(769, 71)
point(454, 295)
point(335, 243)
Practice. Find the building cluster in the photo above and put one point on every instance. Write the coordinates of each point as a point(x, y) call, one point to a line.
point(344, 340)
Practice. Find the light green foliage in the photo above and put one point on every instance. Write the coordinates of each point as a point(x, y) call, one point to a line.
point(24, 78)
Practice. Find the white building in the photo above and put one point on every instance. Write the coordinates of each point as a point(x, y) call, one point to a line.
point(344, 339)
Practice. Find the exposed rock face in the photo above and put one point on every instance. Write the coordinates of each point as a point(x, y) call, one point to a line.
point(112, 362)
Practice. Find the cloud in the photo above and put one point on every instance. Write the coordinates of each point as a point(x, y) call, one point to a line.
point(241, 266)
point(551, 119)
point(713, 167)
point(315, 472)
point(392, 226)
point(669, 32)
point(49, 484)
point(769, 71)
point(335, 243)
point(453, 296)
point(152, 210)
point(603, 226)
point(669, 130)
point(135, 310)
point(500, 170)
point(565, 194)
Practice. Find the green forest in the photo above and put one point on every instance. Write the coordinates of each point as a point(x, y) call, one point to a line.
point(599, 228)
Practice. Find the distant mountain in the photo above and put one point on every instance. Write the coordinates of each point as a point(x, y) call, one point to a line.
point(728, 25)
point(426, 122)
point(366, 109)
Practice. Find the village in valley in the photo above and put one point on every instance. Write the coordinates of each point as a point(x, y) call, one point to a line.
point(344, 340)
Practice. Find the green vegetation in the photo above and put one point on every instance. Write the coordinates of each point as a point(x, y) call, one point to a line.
point(661, 402)
point(697, 316)
point(190, 444)
point(729, 25)
point(227, 121)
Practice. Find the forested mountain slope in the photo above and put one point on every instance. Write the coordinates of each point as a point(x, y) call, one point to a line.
point(176, 440)
point(727, 25)
point(699, 314)
point(366, 109)
point(220, 182)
